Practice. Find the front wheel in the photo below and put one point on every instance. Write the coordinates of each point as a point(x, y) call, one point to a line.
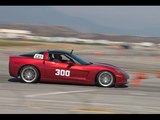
point(29, 74)
point(105, 79)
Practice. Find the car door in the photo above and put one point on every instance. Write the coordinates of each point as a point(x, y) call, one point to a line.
point(55, 71)
point(65, 72)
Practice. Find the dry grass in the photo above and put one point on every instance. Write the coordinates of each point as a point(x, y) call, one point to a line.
point(13, 43)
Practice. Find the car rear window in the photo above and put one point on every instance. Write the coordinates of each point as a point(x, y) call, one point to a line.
point(32, 54)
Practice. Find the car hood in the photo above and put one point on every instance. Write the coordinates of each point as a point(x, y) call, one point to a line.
point(105, 65)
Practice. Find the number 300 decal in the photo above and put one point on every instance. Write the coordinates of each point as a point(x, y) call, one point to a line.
point(62, 72)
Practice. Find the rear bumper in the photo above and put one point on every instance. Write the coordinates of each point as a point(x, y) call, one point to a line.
point(13, 70)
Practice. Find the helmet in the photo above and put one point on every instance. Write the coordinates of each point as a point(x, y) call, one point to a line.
point(50, 57)
point(58, 56)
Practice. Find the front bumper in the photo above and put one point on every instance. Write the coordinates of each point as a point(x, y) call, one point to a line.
point(122, 79)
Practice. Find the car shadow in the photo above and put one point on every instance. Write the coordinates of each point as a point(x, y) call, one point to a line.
point(46, 82)
point(14, 80)
point(121, 86)
point(59, 83)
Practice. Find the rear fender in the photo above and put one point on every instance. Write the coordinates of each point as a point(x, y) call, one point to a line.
point(29, 65)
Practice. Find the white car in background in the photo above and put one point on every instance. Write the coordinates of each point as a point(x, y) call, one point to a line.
point(147, 44)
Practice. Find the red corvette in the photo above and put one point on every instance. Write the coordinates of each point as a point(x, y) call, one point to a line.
point(62, 66)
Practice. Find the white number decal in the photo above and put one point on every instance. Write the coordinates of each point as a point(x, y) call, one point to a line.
point(58, 72)
point(67, 73)
point(62, 72)
point(38, 56)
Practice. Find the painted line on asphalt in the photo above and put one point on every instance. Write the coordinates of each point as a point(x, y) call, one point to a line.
point(82, 103)
point(143, 94)
point(100, 111)
point(57, 93)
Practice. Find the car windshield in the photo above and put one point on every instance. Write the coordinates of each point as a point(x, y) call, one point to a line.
point(78, 59)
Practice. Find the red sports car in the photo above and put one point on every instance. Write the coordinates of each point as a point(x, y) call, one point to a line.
point(62, 66)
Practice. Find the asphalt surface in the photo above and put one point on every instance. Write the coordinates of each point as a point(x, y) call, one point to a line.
point(140, 97)
point(51, 98)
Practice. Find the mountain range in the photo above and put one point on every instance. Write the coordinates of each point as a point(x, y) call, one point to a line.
point(40, 15)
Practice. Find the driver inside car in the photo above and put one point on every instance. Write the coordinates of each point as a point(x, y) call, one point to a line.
point(57, 58)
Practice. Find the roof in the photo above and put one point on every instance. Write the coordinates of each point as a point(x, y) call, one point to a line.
point(59, 51)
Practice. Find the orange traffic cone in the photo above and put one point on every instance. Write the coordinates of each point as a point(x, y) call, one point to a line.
point(141, 76)
point(136, 82)
point(98, 53)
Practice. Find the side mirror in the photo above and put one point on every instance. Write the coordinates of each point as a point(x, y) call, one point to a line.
point(70, 63)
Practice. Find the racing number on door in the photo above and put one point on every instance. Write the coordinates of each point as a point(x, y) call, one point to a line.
point(62, 72)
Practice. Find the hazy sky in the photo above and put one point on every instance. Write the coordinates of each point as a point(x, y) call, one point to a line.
point(123, 20)
point(129, 17)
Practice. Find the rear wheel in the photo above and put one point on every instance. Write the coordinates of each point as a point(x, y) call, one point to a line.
point(105, 79)
point(29, 74)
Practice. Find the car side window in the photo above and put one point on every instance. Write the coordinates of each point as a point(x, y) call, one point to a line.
point(64, 58)
point(55, 57)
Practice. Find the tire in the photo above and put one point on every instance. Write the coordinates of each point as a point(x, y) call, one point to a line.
point(105, 79)
point(29, 74)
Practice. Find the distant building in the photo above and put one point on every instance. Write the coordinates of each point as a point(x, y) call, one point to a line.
point(11, 33)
